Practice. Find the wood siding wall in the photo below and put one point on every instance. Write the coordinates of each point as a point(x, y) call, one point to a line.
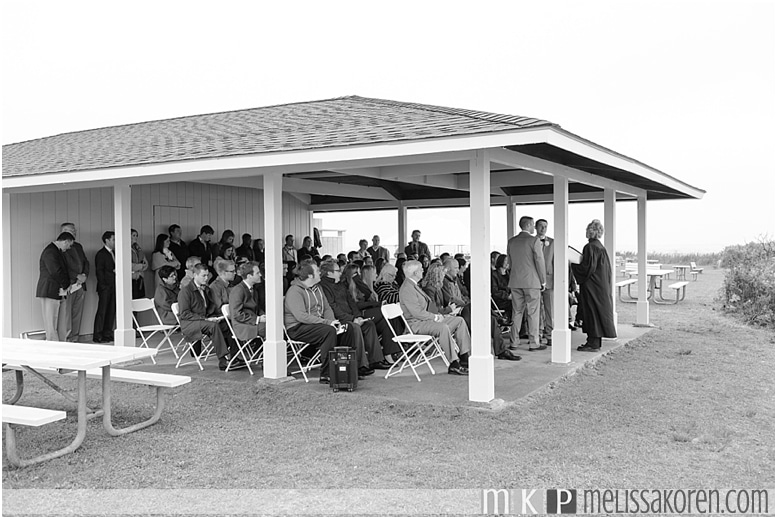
point(36, 217)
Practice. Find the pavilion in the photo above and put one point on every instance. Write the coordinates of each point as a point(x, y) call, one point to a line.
point(266, 170)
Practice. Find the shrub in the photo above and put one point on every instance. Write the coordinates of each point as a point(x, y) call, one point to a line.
point(748, 289)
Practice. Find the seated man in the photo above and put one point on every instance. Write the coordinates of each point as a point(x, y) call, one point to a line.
point(309, 318)
point(346, 311)
point(191, 262)
point(248, 317)
point(225, 274)
point(415, 306)
point(200, 316)
point(166, 293)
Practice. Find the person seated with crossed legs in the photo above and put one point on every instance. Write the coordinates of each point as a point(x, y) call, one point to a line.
point(245, 311)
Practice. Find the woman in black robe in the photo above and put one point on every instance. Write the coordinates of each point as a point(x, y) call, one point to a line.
point(594, 275)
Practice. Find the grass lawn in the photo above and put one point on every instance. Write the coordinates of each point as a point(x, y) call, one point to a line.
point(688, 405)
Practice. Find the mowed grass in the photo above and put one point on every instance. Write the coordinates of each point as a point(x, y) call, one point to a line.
point(688, 405)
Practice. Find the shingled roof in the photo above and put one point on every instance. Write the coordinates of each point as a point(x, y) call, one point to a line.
point(328, 123)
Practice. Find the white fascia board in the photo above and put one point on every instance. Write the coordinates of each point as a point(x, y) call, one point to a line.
point(570, 142)
point(523, 161)
point(369, 155)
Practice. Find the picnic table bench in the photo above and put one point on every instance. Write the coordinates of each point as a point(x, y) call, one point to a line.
point(41, 358)
point(27, 416)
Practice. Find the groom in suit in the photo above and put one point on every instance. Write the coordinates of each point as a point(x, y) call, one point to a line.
point(547, 294)
point(415, 306)
point(248, 317)
point(527, 281)
point(105, 269)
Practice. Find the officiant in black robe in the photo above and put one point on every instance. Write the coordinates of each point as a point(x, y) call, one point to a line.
point(594, 275)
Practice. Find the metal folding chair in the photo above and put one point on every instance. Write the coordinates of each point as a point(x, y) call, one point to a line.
point(417, 349)
point(147, 331)
point(293, 352)
point(206, 345)
point(243, 347)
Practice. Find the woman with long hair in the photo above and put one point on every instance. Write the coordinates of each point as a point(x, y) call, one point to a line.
point(162, 255)
point(432, 285)
point(400, 274)
point(500, 290)
point(227, 238)
point(369, 275)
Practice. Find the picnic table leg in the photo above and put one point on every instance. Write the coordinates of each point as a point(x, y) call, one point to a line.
point(10, 435)
point(19, 387)
point(160, 404)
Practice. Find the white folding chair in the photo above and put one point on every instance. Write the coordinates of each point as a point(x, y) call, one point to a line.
point(242, 347)
point(295, 347)
point(205, 350)
point(149, 330)
point(417, 349)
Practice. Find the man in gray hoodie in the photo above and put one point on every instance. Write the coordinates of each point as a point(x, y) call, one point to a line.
point(309, 318)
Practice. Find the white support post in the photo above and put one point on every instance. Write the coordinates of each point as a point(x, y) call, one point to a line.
point(274, 346)
point(510, 220)
point(643, 307)
point(124, 335)
point(310, 225)
point(481, 362)
point(6, 287)
point(401, 226)
point(561, 352)
point(609, 243)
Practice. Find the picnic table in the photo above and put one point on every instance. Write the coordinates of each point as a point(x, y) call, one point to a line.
point(655, 277)
point(41, 358)
point(680, 270)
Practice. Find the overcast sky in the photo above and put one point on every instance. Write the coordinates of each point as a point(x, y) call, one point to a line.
point(685, 87)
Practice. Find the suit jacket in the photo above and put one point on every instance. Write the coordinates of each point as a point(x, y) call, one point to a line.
point(414, 302)
point(547, 251)
point(527, 264)
point(219, 292)
point(76, 263)
point(422, 249)
point(201, 250)
point(105, 269)
point(380, 252)
point(246, 252)
point(451, 292)
point(192, 310)
point(53, 273)
point(243, 311)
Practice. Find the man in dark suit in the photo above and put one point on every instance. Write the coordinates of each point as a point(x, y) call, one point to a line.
point(527, 281)
point(376, 251)
point(200, 316)
point(105, 269)
point(416, 248)
point(178, 248)
point(78, 271)
point(200, 247)
point(248, 317)
point(415, 307)
point(52, 288)
point(547, 294)
point(245, 250)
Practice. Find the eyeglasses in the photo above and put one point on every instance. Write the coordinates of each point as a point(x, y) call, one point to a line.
point(230, 271)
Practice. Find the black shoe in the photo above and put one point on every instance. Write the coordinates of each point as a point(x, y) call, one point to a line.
point(457, 370)
point(539, 347)
point(507, 355)
point(380, 365)
point(361, 377)
point(98, 340)
point(524, 336)
point(586, 347)
point(365, 371)
point(572, 327)
point(323, 380)
point(550, 342)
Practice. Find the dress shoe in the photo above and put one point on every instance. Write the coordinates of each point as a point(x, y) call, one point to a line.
point(572, 327)
point(586, 347)
point(524, 336)
point(539, 347)
point(507, 355)
point(361, 377)
point(323, 380)
point(550, 342)
point(457, 370)
point(380, 365)
point(364, 371)
point(98, 340)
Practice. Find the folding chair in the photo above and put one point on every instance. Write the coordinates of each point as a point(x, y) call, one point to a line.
point(149, 330)
point(295, 347)
point(416, 349)
point(254, 356)
point(205, 351)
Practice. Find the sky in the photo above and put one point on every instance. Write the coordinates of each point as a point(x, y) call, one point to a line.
point(686, 87)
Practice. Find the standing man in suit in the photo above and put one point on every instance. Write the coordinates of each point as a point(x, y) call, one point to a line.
point(547, 294)
point(105, 269)
point(415, 305)
point(416, 248)
point(200, 315)
point(527, 281)
point(245, 249)
point(53, 285)
point(178, 248)
point(376, 251)
point(78, 270)
point(200, 247)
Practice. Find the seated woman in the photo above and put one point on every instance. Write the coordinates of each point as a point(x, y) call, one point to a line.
point(166, 294)
point(386, 286)
point(500, 290)
point(432, 286)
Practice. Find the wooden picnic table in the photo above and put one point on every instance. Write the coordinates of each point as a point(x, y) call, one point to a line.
point(38, 357)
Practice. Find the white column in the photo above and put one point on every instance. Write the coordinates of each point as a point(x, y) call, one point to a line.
point(561, 351)
point(5, 243)
point(481, 362)
point(609, 244)
point(401, 226)
point(510, 219)
point(310, 226)
point(643, 307)
point(124, 335)
point(274, 346)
